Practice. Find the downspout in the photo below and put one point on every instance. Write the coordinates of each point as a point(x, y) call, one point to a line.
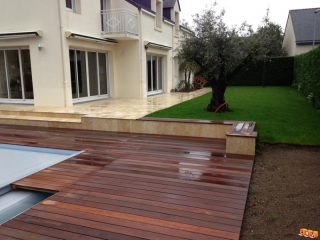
point(141, 50)
point(63, 49)
point(173, 59)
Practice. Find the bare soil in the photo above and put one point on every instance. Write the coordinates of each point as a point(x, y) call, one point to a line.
point(284, 193)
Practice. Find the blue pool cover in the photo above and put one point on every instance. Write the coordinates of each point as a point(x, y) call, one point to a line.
point(17, 162)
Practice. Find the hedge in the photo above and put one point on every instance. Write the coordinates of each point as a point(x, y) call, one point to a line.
point(278, 72)
point(307, 75)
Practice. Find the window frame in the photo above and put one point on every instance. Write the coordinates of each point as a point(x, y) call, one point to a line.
point(159, 74)
point(9, 99)
point(90, 97)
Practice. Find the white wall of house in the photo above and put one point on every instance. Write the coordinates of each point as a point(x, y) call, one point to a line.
point(289, 41)
point(304, 48)
point(47, 71)
point(163, 36)
point(86, 20)
point(127, 68)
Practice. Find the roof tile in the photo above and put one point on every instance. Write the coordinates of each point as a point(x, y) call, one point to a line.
point(303, 21)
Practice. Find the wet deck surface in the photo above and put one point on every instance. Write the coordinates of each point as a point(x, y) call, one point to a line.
point(131, 186)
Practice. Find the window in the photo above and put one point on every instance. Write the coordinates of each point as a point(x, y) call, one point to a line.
point(15, 75)
point(88, 74)
point(154, 74)
point(103, 73)
point(71, 5)
point(93, 73)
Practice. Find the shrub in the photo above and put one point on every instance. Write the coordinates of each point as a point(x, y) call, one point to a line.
point(307, 75)
point(278, 72)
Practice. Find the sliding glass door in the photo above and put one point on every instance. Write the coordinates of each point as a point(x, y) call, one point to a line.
point(154, 75)
point(88, 74)
point(3, 77)
point(15, 75)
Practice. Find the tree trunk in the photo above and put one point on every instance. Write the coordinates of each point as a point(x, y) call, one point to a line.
point(264, 74)
point(219, 88)
point(189, 84)
point(217, 99)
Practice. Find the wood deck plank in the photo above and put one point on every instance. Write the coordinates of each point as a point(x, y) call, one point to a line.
point(3, 237)
point(96, 209)
point(151, 194)
point(132, 186)
point(19, 234)
point(109, 197)
point(152, 206)
point(50, 232)
point(123, 232)
point(166, 189)
point(36, 218)
point(134, 209)
point(167, 232)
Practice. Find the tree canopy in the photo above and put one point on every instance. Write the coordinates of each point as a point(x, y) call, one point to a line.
point(222, 51)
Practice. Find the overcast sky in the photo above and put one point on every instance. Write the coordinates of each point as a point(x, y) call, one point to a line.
point(251, 11)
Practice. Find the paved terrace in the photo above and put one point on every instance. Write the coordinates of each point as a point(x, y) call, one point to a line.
point(108, 108)
point(131, 186)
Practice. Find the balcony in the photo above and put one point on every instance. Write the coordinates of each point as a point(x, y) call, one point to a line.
point(120, 24)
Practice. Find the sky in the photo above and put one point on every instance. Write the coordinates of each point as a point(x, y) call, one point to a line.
point(251, 11)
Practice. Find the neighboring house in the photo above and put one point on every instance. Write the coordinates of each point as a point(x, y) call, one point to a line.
point(57, 53)
point(299, 32)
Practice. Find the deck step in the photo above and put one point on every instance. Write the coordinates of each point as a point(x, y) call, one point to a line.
point(40, 116)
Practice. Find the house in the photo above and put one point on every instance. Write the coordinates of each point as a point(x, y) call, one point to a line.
point(299, 31)
point(58, 53)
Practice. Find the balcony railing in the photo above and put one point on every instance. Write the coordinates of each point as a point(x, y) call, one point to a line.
point(117, 21)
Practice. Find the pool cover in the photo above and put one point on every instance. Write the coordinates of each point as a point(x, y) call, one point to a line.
point(17, 162)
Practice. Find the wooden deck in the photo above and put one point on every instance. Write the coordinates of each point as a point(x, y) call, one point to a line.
point(131, 186)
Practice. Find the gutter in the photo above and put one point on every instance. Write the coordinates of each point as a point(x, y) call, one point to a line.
point(307, 42)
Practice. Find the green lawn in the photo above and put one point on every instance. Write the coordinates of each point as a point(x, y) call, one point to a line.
point(282, 114)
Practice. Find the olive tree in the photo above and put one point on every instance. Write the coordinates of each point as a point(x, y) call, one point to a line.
point(220, 51)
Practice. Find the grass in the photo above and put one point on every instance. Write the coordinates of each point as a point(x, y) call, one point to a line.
point(252, 191)
point(271, 218)
point(282, 114)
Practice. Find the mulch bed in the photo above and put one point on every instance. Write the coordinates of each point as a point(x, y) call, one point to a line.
point(285, 193)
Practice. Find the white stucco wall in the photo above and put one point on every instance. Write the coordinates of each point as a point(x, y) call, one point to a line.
point(289, 41)
point(87, 21)
point(163, 37)
point(47, 73)
point(300, 49)
point(127, 59)
point(128, 69)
